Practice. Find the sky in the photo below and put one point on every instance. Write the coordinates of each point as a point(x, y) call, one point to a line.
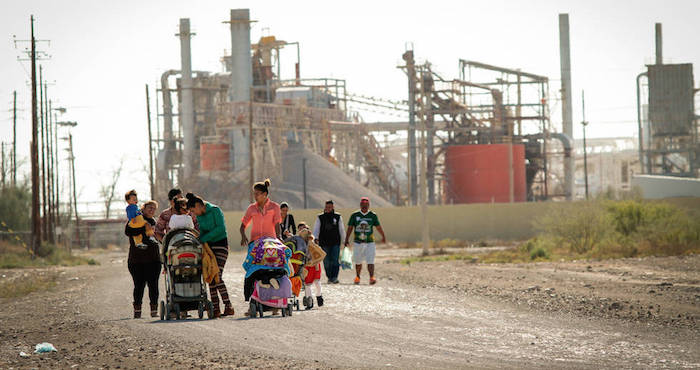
point(103, 52)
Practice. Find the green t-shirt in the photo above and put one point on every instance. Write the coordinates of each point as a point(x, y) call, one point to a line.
point(364, 226)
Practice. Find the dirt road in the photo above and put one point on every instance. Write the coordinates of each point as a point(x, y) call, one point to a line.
point(427, 315)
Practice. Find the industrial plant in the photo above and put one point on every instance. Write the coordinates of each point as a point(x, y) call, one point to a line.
point(482, 135)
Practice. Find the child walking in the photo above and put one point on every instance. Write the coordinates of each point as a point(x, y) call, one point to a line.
point(313, 270)
point(136, 220)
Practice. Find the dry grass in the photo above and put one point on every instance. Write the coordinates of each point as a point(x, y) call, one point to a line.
point(14, 256)
point(22, 286)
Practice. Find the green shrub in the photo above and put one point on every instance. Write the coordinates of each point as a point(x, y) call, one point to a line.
point(580, 227)
point(15, 208)
point(609, 229)
point(539, 252)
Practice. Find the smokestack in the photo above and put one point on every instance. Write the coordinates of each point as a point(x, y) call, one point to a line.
point(659, 45)
point(187, 104)
point(241, 68)
point(566, 100)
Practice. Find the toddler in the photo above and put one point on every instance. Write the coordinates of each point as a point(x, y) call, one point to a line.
point(136, 220)
point(181, 218)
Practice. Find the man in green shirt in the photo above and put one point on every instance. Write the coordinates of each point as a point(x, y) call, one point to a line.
point(362, 223)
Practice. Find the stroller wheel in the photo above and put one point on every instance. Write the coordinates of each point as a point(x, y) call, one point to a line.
point(289, 309)
point(261, 309)
point(162, 311)
point(200, 310)
point(296, 304)
point(284, 312)
point(210, 310)
point(177, 311)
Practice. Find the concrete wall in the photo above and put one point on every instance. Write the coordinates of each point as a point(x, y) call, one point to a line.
point(658, 187)
point(472, 222)
point(500, 221)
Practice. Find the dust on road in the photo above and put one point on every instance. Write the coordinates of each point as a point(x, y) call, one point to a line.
point(414, 318)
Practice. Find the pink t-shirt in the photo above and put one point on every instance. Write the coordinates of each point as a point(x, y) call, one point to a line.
point(263, 223)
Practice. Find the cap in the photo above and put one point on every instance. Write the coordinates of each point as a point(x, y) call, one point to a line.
point(364, 198)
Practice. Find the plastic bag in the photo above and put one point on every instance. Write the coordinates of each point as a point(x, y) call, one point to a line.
point(346, 259)
point(44, 347)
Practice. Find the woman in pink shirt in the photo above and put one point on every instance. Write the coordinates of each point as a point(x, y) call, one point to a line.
point(264, 214)
point(266, 217)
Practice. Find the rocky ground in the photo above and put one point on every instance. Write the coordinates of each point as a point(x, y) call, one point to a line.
point(635, 313)
point(658, 290)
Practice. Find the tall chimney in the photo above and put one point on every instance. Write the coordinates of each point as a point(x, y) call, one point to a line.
point(241, 68)
point(187, 104)
point(566, 100)
point(659, 45)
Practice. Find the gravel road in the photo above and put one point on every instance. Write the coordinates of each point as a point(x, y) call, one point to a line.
point(427, 315)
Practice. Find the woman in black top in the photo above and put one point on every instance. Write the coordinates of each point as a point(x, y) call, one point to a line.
point(288, 225)
point(144, 263)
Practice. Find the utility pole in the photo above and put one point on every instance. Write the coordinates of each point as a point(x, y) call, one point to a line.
point(251, 158)
point(50, 170)
point(303, 173)
point(75, 195)
point(2, 163)
point(42, 110)
point(150, 145)
point(14, 138)
point(36, 222)
point(57, 193)
point(585, 149)
point(412, 168)
point(423, 174)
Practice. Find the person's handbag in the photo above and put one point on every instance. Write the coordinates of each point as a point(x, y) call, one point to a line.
point(346, 259)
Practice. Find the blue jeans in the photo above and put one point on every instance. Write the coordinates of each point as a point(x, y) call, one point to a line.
point(331, 263)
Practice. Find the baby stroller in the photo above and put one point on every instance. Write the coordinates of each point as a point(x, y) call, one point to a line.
point(268, 259)
point(298, 260)
point(185, 290)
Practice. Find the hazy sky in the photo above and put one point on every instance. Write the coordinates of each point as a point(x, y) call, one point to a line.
point(103, 52)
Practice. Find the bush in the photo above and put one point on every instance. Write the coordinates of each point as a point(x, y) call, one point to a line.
point(539, 252)
point(580, 227)
point(15, 208)
point(609, 229)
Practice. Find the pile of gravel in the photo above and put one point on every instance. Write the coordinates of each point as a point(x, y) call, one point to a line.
point(324, 181)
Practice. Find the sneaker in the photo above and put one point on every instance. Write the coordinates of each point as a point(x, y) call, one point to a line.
point(228, 311)
point(357, 280)
point(336, 281)
point(319, 299)
point(275, 284)
point(372, 281)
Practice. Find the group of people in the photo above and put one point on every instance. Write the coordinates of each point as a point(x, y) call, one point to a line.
point(266, 219)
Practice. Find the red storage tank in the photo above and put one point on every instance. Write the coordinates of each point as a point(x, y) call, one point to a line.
point(479, 173)
point(214, 156)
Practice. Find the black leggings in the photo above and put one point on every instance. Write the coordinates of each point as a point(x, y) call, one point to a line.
point(142, 274)
point(262, 275)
